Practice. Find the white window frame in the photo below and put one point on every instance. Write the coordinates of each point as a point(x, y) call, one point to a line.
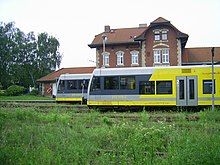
point(164, 35)
point(105, 58)
point(157, 35)
point(157, 53)
point(134, 57)
point(165, 55)
point(120, 58)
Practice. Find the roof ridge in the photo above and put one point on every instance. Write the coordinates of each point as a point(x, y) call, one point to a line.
point(160, 20)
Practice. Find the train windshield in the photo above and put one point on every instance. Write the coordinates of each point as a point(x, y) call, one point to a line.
point(95, 84)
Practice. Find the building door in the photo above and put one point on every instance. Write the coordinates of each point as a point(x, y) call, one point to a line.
point(187, 91)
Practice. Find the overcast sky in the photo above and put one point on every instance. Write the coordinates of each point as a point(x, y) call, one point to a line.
point(75, 22)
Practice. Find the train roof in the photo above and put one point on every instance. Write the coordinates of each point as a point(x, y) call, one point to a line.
point(75, 76)
point(140, 70)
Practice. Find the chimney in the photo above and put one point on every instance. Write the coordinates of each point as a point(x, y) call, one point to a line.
point(107, 28)
point(142, 25)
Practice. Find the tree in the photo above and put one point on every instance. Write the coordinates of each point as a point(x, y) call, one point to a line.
point(23, 58)
point(6, 56)
point(48, 56)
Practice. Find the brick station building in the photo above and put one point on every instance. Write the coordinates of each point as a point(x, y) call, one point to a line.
point(159, 44)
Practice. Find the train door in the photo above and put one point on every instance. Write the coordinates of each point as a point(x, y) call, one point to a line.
point(187, 91)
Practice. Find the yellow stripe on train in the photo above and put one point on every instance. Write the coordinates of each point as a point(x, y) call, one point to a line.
point(131, 103)
point(68, 99)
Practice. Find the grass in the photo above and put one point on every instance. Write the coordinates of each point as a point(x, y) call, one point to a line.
point(58, 136)
point(25, 97)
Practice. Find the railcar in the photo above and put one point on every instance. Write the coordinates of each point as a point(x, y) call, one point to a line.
point(72, 87)
point(154, 86)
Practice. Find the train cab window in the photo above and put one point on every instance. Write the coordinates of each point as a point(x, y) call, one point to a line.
point(85, 83)
point(164, 87)
point(207, 86)
point(61, 85)
point(95, 84)
point(71, 84)
point(111, 82)
point(127, 82)
point(147, 87)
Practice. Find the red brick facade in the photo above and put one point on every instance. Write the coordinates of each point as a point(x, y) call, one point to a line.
point(142, 40)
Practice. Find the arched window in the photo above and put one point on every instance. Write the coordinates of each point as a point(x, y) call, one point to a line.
point(106, 58)
point(120, 58)
point(134, 57)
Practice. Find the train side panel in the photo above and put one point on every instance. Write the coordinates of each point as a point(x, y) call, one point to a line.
point(173, 86)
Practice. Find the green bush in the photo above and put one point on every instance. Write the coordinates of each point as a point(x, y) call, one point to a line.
point(2, 92)
point(34, 92)
point(15, 90)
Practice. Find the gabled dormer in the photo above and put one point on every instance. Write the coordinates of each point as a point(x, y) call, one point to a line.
point(163, 43)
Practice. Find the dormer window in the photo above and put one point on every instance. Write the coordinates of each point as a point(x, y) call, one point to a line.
point(160, 35)
point(164, 35)
point(157, 35)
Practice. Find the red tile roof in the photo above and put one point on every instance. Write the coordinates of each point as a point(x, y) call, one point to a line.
point(160, 20)
point(118, 36)
point(133, 35)
point(201, 54)
point(53, 76)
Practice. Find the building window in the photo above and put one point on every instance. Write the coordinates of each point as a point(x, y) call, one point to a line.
point(134, 57)
point(165, 55)
point(120, 58)
point(160, 34)
point(161, 54)
point(164, 35)
point(157, 56)
point(105, 58)
point(157, 35)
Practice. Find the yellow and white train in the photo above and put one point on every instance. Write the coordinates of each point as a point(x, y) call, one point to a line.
point(154, 86)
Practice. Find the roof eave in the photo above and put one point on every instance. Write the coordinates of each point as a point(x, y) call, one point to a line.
point(52, 80)
point(114, 44)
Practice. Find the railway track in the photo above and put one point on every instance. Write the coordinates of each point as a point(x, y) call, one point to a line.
point(39, 104)
point(46, 106)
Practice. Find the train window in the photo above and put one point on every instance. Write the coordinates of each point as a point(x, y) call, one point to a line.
point(164, 87)
point(181, 90)
point(111, 82)
point(61, 85)
point(95, 84)
point(127, 82)
point(83, 83)
point(207, 86)
point(147, 87)
point(191, 89)
point(72, 84)
point(86, 83)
